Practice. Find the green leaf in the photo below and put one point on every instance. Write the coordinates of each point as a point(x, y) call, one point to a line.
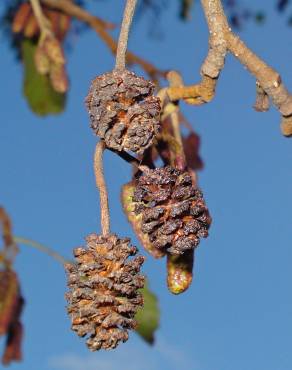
point(148, 316)
point(37, 89)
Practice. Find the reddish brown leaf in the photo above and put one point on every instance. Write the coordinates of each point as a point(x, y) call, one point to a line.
point(12, 350)
point(6, 227)
point(21, 17)
point(9, 295)
point(191, 147)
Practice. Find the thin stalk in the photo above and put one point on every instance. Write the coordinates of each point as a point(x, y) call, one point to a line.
point(124, 34)
point(43, 22)
point(101, 185)
point(32, 243)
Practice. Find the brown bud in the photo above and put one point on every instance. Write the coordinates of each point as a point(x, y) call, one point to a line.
point(60, 23)
point(41, 60)
point(64, 25)
point(180, 271)
point(58, 77)
point(21, 17)
point(262, 102)
point(286, 126)
point(54, 50)
point(31, 28)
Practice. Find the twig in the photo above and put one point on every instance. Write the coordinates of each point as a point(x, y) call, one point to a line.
point(101, 27)
point(204, 91)
point(101, 185)
point(222, 39)
point(50, 252)
point(126, 157)
point(43, 22)
point(267, 77)
point(124, 34)
point(70, 8)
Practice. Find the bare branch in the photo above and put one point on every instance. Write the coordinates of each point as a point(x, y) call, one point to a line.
point(267, 77)
point(221, 40)
point(217, 24)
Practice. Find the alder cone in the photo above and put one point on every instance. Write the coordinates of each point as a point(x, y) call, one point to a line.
point(123, 111)
point(174, 213)
point(103, 297)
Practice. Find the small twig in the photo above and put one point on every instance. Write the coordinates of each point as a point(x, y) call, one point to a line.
point(70, 8)
point(127, 157)
point(43, 22)
point(124, 34)
point(101, 185)
point(50, 252)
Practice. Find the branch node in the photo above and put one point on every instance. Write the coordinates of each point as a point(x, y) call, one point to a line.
point(262, 103)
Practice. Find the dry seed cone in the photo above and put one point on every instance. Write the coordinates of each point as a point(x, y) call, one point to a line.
point(103, 295)
point(174, 213)
point(135, 220)
point(123, 111)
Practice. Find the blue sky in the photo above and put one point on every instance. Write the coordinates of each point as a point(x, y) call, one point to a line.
point(238, 312)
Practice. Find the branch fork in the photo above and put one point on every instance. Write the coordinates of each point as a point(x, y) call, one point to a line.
point(221, 41)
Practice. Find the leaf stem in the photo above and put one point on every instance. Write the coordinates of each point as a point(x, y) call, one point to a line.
point(124, 34)
point(101, 185)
